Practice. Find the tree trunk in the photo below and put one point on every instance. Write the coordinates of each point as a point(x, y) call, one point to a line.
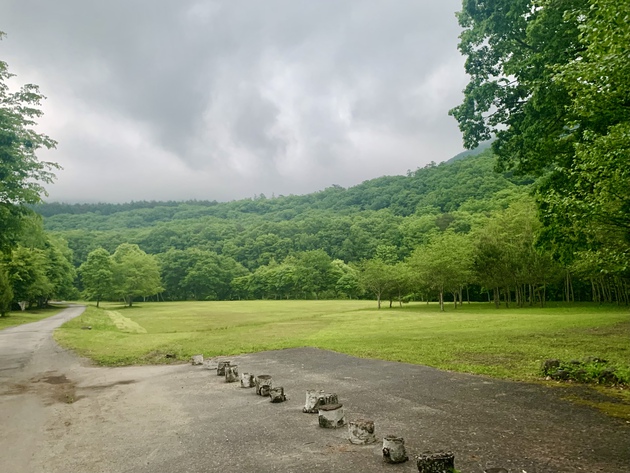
point(441, 300)
point(378, 299)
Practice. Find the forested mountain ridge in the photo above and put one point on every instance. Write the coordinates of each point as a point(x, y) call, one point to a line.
point(441, 188)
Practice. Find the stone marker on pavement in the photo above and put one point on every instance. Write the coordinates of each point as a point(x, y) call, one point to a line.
point(438, 462)
point(331, 416)
point(361, 432)
point(197, 360)
point(221, 367)
point(247, 380)
point(394, 449)
point(231, 373)
point(277, 394)
point(316, 398)
point(263, 384)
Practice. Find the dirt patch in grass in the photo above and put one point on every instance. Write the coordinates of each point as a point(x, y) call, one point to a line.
point(616, 329)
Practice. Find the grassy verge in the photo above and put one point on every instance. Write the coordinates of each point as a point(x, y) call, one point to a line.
point(476, 338)
point(28, 316)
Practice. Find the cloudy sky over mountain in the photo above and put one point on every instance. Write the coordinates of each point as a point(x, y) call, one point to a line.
point(221, 100)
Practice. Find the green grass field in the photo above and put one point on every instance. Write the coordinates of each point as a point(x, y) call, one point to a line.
point(476, 338)
point(28, 316)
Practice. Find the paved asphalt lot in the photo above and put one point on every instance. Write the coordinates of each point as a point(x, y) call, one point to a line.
point(58, 414)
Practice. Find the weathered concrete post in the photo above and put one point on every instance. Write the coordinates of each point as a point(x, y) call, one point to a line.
point(394, 450)
point(315, 399)
point(247, 380)
point(438, 462)
point(277, 394)
point(361, 432)
point(263, 384)
point(221, 367)
point(231, 373)
point(331, 416)
point(197, 360)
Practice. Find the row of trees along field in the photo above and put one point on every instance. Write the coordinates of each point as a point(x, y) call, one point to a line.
point(487, 255)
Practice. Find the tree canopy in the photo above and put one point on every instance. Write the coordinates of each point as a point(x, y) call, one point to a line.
point(21, 172)
point(550, 79)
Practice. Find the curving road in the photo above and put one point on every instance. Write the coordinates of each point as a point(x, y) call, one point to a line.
point(26, 352)
point(29, 348)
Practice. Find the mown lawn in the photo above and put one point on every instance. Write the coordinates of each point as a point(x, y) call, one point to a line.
point(475, 338)
point(28, 316)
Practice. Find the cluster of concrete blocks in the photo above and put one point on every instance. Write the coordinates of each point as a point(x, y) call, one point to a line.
point(331, 416)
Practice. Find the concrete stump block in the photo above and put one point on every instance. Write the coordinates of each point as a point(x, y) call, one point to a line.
point(231, 373)
point(247, 380)
point(263, 384)
point(438, 462)
point(394, 450)
point(361, 432)
point(197, 360)
point(331, 416)
point(221, 367)
point(277, 394)
point(315, 399)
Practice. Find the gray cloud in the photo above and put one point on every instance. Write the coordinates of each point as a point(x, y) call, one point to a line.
point(222, 100)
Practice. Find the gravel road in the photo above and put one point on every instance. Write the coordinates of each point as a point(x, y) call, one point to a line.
point(59, 414)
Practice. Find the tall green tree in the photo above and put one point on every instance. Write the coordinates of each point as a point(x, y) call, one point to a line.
point(21, 172)
point(60, 271)
point(136, 274)
point(27, 270)
point(595, 188)
point(551, 80)
point(444, 264)
point(377, 277)
point(97, 275)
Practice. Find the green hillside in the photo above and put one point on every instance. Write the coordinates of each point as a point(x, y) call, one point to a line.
point(348, 224)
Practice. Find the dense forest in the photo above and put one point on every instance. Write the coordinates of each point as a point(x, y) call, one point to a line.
point(383, 238)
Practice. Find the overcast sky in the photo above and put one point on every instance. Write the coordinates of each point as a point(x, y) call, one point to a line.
point(177, 99)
